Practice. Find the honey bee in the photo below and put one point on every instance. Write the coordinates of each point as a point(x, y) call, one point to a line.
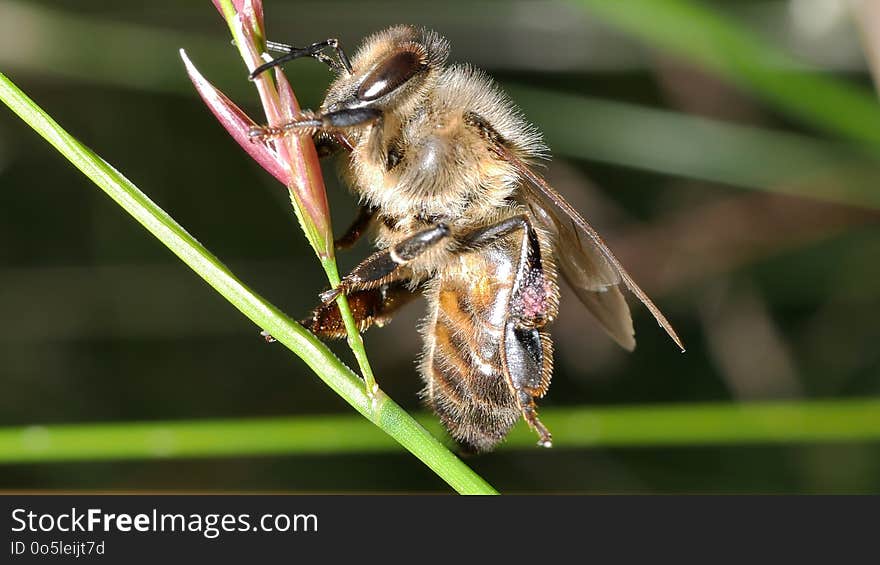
point(442, 162)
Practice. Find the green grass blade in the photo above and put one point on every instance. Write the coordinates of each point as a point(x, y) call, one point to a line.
point(381, 410)
point(719, 424)
point(698, 34)
point(631, 426)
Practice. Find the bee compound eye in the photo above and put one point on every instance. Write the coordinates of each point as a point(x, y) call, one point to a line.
point(389, 75)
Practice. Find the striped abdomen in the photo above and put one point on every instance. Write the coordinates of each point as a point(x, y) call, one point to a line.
point(464, 362)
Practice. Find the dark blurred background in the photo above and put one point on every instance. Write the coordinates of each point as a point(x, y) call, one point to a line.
point(775, 294)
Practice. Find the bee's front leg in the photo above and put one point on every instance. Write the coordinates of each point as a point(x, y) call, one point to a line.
point(309, 123)
point(315, 51)
point(384, 266)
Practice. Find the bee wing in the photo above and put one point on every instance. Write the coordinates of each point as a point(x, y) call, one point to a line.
point(589, 274)
point(587, 263)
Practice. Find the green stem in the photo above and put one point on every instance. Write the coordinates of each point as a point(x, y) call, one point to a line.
point(355, 341)
point(380, 410)
point(631, 426)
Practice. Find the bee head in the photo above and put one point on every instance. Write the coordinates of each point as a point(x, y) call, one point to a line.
point(391, 72)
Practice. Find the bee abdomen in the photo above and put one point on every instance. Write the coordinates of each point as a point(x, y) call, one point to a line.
point(462, 368)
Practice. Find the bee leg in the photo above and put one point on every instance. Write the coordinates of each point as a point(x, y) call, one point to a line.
point(527, 363)
point(527, 352)
point(315, 51)
point(324, 145)
point(360, 224)
point(371, 307)
point(488, 235)
point(311, 123)
point(529, 303)
point(329, 144)
point(382, 267)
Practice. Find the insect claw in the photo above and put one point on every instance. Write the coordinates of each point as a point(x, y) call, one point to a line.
point(261, 133)
point(329, 296)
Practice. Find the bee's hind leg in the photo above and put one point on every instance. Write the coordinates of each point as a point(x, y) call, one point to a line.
point(528, 359)
point(527, 351)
